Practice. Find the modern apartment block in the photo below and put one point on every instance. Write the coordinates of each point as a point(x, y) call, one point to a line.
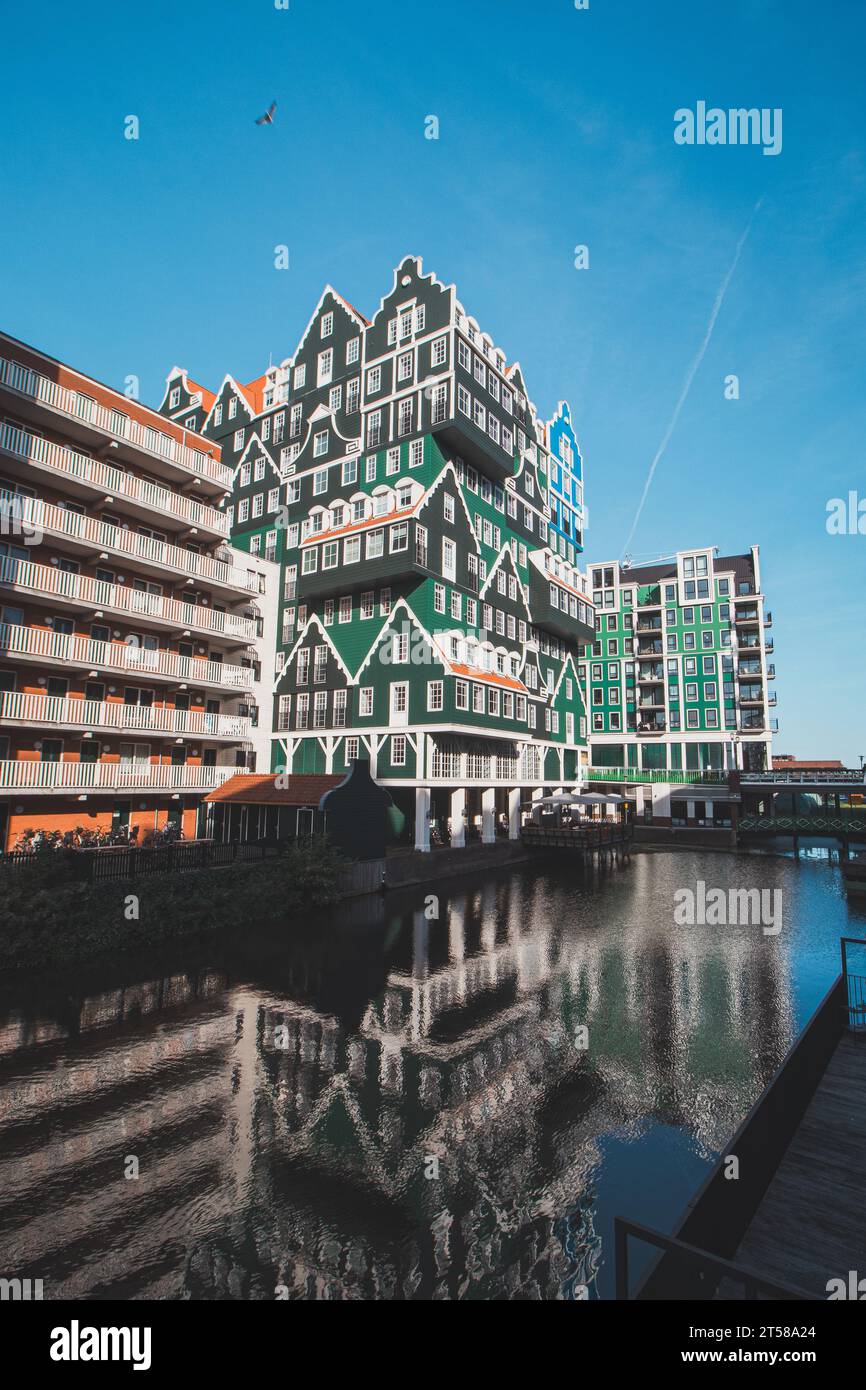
point(428, 526)
point(677, 681)
point(135, 641)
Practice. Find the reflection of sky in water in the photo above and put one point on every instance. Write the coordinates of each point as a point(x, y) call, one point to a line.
point(286, 1095)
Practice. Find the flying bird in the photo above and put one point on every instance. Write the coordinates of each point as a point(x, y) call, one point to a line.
point(268, 117)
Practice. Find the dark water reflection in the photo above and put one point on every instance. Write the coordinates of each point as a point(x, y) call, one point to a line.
point(287, 1092)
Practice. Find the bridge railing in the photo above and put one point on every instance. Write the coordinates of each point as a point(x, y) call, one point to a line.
point(701, 1272)
point(831, 777)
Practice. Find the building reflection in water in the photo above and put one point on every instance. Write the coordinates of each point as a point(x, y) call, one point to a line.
point(288, 1104)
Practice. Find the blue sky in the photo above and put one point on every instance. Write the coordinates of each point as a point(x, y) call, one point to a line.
point(556, 129)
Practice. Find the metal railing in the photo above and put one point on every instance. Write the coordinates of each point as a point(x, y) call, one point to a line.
point(847, 775)
point(671, 775)
point(855, 988)
point(70, 713)
point(823, 823)
point(98, 594)
point(102, 865)
point(91, 653)
point(111, 481)
point(28, 514)
point(30, 775)
point(74, 404)
point(706, 1271)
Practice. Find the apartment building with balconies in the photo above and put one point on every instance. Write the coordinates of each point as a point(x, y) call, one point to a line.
point(678, 681)
point(134, 638)
point(430, 614)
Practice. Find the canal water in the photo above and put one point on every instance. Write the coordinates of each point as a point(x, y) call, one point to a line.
point(387, 1103)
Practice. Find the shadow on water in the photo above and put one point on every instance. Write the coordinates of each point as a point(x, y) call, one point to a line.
point(380, 1102)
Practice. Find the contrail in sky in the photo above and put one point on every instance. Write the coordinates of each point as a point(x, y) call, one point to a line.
point(692, 373)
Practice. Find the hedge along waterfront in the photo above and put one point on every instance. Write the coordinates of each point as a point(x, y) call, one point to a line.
point(47, 919)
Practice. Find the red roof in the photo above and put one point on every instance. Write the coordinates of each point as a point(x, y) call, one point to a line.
point(207, 396)
point(261, 789)
point(255, 392)
point(779, 764)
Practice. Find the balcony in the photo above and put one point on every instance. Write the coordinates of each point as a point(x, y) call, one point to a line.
point(83, 416)
point(649, 627)
point(32, 776)
point(652, 725)
point(98, 597)
point(651, 675)
point(65, 713)
point(27, 514)
point(772, 699)
point(768, 620)
point(751, 722)
point(771, 673)
point(49, 648)
point(145, 499)
point(769, 645)
point(751, 695)
point(652, 702)
point(748, 668)
point(647, 648)
point(747, 616)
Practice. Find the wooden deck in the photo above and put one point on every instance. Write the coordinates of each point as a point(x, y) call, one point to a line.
point(811, 1224)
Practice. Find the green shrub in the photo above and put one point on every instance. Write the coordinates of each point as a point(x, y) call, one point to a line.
point(46, 919)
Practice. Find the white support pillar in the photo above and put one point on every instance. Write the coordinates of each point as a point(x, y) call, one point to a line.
point(422, 819)
point(537, 795)
point(458, 826)
point(514, 813)
point(488, 816)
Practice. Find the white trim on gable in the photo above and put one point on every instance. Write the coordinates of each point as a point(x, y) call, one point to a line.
point(313, 621)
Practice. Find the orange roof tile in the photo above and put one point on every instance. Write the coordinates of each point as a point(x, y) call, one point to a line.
point(255, 392)
point(394, 514)
point(260, 789)
point(207, 396)
point(494, 677)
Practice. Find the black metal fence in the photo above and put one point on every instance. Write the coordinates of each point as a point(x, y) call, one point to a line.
point(126, 861)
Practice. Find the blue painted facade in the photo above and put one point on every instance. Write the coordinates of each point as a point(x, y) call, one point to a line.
point(567, 515)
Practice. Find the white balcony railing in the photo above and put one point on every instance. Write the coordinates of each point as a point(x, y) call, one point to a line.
point(69, 713)
point(97, 595)
point(111, 481)
point(36, 776)
point(29, 515)
point(85, 652)
point(115, 423)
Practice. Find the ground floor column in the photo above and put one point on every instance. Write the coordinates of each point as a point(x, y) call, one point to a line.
point(488, 816)
point(458, 825)
point(422, 819)
point(514, 813)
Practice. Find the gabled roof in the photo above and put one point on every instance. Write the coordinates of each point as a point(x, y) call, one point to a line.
point(274, 789)
point(255, 392)
point(255, 445)
point(313, 621)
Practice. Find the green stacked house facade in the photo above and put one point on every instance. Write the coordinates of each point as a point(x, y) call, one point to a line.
point(429, 525)
point(431, 618)
point(677, 682)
